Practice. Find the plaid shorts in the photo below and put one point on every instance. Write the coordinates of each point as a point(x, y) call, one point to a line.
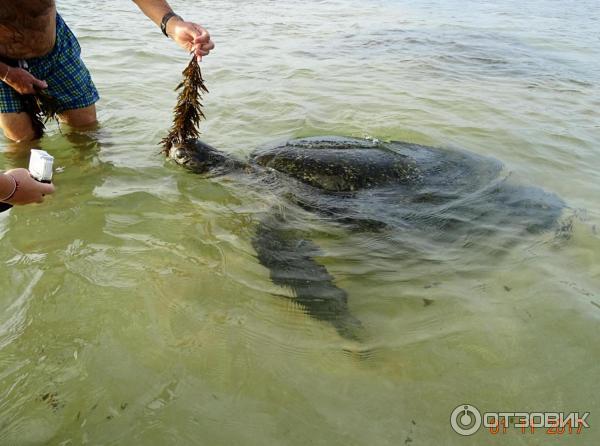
point(68, 79)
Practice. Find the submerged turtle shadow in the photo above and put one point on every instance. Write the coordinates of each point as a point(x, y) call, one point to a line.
point(446, 197)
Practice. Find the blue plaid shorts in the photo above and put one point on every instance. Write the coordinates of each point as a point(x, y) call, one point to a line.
point(68, 79)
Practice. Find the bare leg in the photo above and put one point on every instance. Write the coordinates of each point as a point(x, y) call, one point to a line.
point(80, 117)
point(17, 126)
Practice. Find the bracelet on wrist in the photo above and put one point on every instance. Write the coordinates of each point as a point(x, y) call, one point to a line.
point(163, 23)
point(15, 188)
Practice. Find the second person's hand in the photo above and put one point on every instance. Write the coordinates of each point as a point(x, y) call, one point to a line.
point(28, 189)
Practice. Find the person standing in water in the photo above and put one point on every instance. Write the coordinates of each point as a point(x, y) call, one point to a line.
point(38, 50)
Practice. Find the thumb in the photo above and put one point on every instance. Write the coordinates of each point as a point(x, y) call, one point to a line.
point(47, 188)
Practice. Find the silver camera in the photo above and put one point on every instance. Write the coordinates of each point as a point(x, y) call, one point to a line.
point(40, 165)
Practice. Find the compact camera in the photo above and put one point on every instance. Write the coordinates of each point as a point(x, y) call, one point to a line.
point(40, 165)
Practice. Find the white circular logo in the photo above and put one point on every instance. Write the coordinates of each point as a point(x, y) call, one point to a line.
point(465, 419)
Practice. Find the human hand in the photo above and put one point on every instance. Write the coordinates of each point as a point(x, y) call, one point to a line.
point(28, 190)
point(23, 81)
point(191, 36)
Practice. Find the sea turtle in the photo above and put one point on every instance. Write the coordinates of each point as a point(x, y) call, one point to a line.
point(440, 194)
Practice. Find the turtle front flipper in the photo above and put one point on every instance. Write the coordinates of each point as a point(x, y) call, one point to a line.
point(289, 258)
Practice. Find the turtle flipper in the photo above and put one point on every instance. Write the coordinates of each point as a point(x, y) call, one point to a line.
point(289, 258)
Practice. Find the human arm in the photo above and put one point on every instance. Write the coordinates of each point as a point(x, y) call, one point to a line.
point(17, 187)
point(191, 36)
point(20, 80)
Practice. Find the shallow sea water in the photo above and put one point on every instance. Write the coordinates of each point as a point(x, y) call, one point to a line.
point(133, 309)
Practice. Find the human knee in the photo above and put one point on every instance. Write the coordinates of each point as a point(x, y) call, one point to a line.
point(84, 117)
point(86, 120)
point(19, 133)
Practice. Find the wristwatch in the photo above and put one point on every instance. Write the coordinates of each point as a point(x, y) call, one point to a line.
point(163, 23)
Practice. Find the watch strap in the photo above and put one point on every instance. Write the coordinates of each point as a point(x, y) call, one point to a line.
point(163, 23)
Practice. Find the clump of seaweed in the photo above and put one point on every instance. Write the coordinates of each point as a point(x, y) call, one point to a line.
point(41, 107)
point(188, 111)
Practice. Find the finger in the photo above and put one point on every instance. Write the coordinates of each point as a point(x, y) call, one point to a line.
point(202, 35)
point(40, 84)
point(207, 46)
point(201, 40)
point(47, 188)
point(40, 199)
point(200, 53)
point(203, 50)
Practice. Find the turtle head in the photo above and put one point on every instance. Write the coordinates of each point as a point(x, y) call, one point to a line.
point(198, 157)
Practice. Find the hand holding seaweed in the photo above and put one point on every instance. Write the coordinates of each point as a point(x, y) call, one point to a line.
point(188, 111)
point(33, 95)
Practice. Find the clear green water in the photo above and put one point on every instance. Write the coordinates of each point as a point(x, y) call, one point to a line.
point(133, 309)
